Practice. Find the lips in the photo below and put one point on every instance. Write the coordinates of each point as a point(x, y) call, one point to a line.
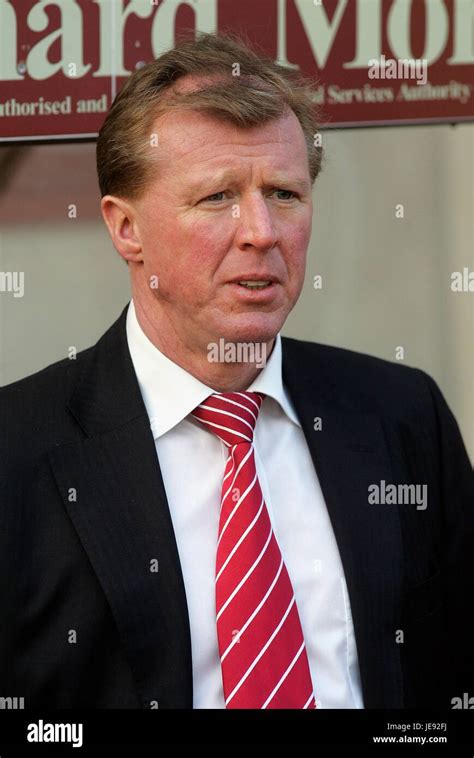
point(249, 278)
point(254, 295)
point(254, 284)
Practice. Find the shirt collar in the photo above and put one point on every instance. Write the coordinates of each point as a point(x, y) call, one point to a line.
point(170, 392)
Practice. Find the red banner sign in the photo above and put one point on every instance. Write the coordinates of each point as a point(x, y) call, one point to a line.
point(374, 62)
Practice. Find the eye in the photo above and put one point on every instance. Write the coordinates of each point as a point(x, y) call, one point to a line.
point(288, 192)
point(213, 198)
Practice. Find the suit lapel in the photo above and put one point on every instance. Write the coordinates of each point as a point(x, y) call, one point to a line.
point(349, 454)
point(121, 515)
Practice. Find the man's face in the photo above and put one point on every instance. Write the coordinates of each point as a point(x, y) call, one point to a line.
point(227, 205)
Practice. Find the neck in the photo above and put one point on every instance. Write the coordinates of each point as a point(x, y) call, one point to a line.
point(225, 371)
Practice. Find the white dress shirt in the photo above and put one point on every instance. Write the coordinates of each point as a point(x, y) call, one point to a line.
point(295, 505)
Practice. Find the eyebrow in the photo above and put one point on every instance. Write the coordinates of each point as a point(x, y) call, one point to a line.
point(224, 177)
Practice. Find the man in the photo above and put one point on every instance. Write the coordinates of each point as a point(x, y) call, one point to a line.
point(190, 526)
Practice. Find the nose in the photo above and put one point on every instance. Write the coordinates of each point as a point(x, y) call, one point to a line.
point(256, 226)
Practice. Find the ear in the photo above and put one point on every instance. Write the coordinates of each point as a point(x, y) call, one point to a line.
point(120, 219)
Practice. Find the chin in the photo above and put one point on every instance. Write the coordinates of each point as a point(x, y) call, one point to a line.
point(252, 328)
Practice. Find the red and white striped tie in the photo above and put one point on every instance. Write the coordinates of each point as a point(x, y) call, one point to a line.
point(263, 656)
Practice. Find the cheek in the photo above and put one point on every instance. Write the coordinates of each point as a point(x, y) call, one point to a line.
point(203, 246)
point(296, 244)
point(296, 232)
point(185, 257)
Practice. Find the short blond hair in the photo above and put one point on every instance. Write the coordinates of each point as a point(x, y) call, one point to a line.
point(260, 92)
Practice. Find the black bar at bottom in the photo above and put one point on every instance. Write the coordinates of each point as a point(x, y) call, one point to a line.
point(124, 732)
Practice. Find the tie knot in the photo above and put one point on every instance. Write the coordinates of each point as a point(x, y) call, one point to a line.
point(231, 416)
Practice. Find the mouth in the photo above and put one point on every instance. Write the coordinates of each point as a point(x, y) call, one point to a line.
point(255, 281)
point(254, 284)
point(254, 290)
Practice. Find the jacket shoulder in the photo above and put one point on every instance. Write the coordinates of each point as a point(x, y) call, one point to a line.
point(57, 377)
point(358, 381)
point(33, 409)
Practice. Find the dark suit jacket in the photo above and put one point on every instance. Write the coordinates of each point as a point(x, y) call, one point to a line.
point(83, 511)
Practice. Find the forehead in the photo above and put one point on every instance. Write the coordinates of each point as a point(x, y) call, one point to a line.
point(189, 139)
